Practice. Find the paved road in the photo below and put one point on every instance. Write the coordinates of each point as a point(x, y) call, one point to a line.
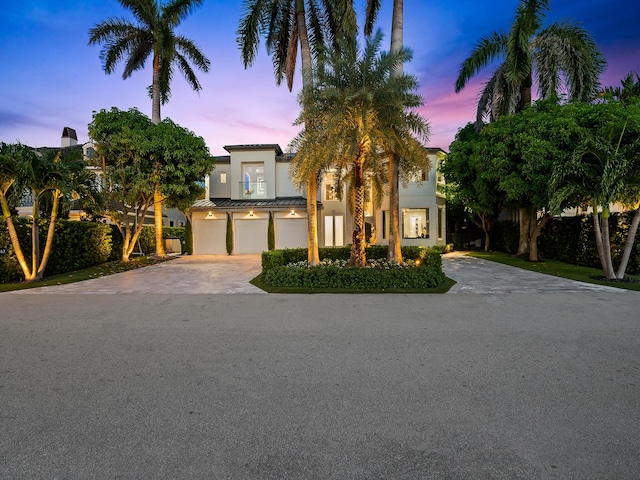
point(496, 384)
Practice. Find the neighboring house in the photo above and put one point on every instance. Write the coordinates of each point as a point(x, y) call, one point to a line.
point(253, 182)
point(69, 140)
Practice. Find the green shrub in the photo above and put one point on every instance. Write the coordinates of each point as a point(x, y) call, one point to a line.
point(76, 245)
point(337, 275)
point(271, 259)
point(187, 241)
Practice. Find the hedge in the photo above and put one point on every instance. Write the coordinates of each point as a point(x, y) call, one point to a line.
point(275, 258)
point(287, 268)
point(76, 245)
point(339, 276)
point(572, 240)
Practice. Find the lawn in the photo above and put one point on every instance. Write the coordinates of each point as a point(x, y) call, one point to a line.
point(558, 269)
point(87, 273)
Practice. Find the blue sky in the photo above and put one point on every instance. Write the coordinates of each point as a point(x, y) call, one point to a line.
point(51, 78)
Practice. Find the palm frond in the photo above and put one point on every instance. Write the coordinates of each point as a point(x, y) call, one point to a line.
point(490, 48)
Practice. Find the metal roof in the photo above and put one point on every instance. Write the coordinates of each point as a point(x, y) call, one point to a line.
point(281, 203)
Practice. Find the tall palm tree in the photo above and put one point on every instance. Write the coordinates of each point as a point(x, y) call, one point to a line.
point(562, 57)
point(372, 9)
point(284, 24)
point(153, 36)
point(360, 112)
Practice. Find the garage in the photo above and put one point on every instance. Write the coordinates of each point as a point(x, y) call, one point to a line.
point(209, 237)
point(291, 233)
point(250, 235)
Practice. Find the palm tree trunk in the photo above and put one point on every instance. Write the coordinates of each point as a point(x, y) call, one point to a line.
point(157, 220)
point(35, 238)
point(307, 84)
point(395, 251)
point(313, 256)
point(51, 230)
point(486, 226)
point(13, 235)
point(525, 94)
point(606, 243)
point(535, 232)
point(155, 118)
point(358, 258)
point(628, 244)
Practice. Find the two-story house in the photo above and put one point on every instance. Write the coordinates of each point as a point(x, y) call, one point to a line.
point(253, 182)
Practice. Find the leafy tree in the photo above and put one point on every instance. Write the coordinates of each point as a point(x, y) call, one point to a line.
point(562, 57)
point(284, 25)
point(469, 183)
point(153, 36)
point(139, 158)
point(25, 171)
point(603, 169)
point(360, 113)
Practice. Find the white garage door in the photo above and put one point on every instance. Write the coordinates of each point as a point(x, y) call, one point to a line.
point(291, 233)
point(209, 237)
point(250, 236)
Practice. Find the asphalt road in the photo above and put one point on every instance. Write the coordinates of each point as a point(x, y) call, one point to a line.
point(498, 385)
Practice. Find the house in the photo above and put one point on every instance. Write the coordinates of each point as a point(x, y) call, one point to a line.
point(252, 183)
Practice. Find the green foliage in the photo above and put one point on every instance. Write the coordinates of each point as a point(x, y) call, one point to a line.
point(76, 245)
point(188, 238)
point(505, 236)
point(426, 256)
point(271, 234)
point(229, 237)
point(338, 275)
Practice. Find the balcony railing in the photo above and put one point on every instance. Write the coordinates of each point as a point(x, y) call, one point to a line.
point(252, 190)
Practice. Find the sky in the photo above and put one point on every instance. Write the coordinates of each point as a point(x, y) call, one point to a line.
point(51, 78)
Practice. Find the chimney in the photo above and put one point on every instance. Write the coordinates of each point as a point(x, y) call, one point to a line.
point(69, 137)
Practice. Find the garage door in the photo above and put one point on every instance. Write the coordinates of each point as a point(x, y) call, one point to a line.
point(250, 236)
point(209, 237)
point(291, 233)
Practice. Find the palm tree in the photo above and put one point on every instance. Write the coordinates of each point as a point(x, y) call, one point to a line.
point(372, 9)
point(563, 57)
point(360, 112)
point(154, 35)
point(629, 89)
point(284, 24)
point(37, 173)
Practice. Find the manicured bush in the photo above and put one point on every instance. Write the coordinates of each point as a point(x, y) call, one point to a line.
point(76, 245)
point(335, 274)
point(187, 242)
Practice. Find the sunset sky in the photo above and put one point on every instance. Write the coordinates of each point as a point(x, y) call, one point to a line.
point(51, 78)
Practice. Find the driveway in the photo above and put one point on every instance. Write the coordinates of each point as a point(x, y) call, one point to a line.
point(217, 274)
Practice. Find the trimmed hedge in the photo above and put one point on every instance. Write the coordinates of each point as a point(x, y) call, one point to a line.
point(276, 258)
point(335, 276)
point(76, 245)
point(287, 268)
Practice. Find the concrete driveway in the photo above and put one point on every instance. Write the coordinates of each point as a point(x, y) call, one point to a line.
point(217, 274)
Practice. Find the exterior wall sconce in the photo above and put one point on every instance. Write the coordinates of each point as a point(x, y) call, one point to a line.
point(210, 215)
point(293, 212)
point(251, 213)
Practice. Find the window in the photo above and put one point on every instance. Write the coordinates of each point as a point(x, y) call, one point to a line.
point(330, 190)
point(415, 223)
point(223, 177)
point(385, 224)
point(440, 223)
point(253, 183)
